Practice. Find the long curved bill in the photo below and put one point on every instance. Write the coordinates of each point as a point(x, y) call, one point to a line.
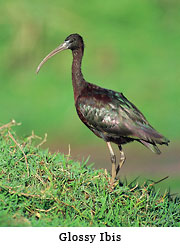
point(60, 48)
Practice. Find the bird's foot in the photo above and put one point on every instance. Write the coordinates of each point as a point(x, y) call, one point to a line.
point(113, 183)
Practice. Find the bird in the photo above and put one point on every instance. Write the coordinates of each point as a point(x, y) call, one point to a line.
point(107, 113)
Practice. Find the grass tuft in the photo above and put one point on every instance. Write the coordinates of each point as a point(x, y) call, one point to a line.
point(38, 188)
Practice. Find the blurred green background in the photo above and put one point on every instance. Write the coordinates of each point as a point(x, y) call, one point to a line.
point(132, 46)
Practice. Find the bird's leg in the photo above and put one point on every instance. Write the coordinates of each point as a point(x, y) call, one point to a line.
point(121, 160)
point(113, 161)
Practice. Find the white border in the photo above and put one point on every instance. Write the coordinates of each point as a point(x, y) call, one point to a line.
point(47, 239)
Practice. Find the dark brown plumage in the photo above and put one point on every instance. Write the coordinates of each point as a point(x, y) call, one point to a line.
point(108, 114)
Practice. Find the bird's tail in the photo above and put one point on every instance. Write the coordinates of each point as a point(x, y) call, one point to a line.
point(152, 147)
point(150, 138)
point(151, 144)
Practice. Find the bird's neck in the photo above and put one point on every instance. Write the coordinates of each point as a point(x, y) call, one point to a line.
point(77, 76)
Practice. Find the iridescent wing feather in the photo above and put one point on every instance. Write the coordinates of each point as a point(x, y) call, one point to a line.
point(112, 113)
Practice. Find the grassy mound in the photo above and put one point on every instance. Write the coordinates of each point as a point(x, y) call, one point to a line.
point(38, 188)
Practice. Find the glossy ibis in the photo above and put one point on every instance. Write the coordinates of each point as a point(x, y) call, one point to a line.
point(108, 114)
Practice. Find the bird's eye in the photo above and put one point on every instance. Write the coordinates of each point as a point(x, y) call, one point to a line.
point(71, 40)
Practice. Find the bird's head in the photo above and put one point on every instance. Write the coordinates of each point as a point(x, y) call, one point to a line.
point(72, 42)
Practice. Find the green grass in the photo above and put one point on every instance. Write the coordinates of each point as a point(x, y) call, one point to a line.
point(38, 188)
